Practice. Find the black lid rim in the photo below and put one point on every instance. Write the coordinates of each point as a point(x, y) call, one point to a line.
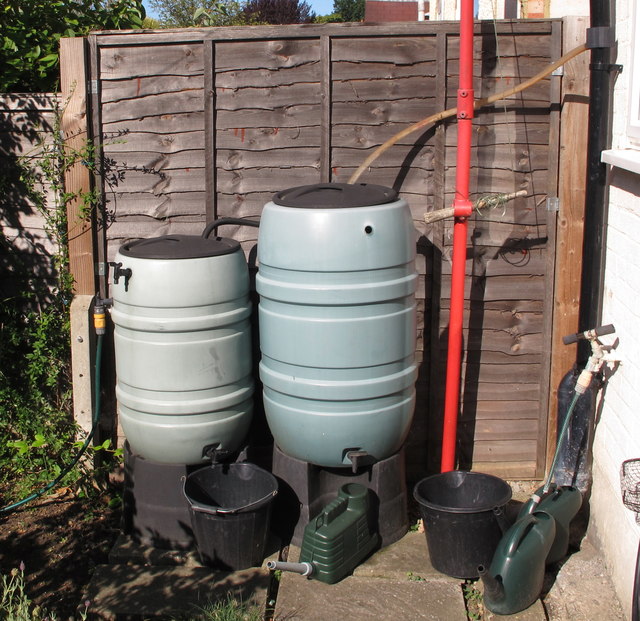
point(176, 247)
point(335, 196)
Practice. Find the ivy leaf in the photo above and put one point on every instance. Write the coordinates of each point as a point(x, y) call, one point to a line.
point(39, 441)
point(9, 44)
point(21, 446)
point(49, 60)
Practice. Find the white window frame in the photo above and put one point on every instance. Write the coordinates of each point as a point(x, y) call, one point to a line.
point(633, 111)
point(627, 156)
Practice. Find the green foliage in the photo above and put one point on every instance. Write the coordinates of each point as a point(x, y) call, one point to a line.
point(279, 12)
point(35, 375)
point(150, 23)
point(332, 18)
point(473, 600)
point(188, 13)
point(227, 13)
point(37, 431)
point(349, 10)
point(31, 31)
point(15, 604)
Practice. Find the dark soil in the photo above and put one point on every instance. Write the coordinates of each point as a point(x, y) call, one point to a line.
point(60, 540)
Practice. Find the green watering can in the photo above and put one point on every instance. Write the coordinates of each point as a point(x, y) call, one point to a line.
point(562, 503)
point(514, 579)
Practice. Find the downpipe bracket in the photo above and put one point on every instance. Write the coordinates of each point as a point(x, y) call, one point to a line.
point(608, 67)
point(600, 37)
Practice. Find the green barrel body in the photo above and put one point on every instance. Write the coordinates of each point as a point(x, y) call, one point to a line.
point(516, 574)
point(341, 537)
point(561, 503)
point(337, 318)
point(182, 340)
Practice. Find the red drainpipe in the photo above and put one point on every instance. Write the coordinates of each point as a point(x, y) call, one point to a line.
point(462, 210)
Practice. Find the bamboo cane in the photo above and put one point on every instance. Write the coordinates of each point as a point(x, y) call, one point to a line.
point(486, 201)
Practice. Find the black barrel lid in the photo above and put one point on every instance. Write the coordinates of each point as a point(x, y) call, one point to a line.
point(179, 247)
point(335, 195)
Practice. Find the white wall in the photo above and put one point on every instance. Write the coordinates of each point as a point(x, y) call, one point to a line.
point(564, 8)
point(495, 9)
point(618, 432)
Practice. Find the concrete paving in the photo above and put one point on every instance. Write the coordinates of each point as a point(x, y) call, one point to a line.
point(397, 582)
point(146, 592)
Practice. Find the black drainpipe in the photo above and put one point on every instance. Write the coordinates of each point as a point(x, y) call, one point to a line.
point(601, 39)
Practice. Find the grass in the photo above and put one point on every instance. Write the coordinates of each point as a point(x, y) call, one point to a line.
point(229, 609)
point(15, 605)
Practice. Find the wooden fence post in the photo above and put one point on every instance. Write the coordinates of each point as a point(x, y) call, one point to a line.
point(73, 84)
point(572, 180)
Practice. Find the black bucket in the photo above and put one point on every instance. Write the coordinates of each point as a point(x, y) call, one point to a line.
point(463, 515)
point(230, 507)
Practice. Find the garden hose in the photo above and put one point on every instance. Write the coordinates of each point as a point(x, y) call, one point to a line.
point(99, 322)
point(561, 436)
point(593, 366)
point(478, 103)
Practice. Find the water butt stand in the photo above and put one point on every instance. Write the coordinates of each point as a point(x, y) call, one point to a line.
point(155, 512)
point(305, 489)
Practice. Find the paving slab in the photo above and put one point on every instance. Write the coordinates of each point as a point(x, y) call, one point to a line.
point(140, 592)
point(369, 599)
point(580, 589)
point(397, 582)
point(127, 551)
point(406, 558)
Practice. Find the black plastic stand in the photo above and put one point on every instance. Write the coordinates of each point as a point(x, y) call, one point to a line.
point(305, 489)
point(155, 510)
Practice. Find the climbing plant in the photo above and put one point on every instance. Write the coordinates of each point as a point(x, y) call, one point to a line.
point(37, 430)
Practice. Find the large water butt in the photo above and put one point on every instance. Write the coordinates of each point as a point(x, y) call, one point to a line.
point(337, 319)
point(183, 347)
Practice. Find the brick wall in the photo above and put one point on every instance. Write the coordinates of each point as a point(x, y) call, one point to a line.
point(391, 11)
point(618, 432)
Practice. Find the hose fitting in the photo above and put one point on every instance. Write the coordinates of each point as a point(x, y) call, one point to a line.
point(304, 569)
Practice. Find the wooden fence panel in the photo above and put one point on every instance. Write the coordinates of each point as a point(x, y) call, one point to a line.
point(206, 123)
point(27, 121)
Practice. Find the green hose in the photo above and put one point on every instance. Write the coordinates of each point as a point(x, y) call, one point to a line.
point(561, 435)
point(94, 425)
